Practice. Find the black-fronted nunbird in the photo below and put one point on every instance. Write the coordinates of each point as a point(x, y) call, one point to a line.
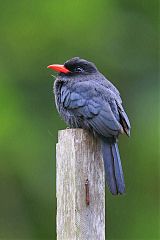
point(86, 99)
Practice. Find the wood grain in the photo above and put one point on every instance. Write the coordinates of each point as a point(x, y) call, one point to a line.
point(80, 205)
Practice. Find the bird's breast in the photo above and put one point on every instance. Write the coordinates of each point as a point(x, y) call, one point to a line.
point(61, 92)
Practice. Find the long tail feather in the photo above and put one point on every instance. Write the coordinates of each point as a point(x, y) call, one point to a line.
point(113, 167)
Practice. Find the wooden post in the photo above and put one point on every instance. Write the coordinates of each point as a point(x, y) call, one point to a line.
point(80, 187)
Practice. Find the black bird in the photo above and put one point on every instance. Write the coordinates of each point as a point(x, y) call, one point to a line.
point(86, 99)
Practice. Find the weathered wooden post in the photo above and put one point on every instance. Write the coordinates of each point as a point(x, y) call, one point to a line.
point(80, 187)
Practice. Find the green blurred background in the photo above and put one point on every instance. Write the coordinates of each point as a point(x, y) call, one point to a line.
point(121, 38)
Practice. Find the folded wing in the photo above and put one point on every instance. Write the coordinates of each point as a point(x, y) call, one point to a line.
point(85, 101)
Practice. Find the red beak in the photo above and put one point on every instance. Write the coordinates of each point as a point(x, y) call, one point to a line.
point(59, 68)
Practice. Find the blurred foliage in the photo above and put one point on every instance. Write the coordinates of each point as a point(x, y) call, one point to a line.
point(121, 38)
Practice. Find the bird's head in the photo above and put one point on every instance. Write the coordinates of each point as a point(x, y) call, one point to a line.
point(75, 67)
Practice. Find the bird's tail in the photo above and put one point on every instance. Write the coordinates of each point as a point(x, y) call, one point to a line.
point(113, 167)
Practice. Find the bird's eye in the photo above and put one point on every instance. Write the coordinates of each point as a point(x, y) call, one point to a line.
point(78, 69)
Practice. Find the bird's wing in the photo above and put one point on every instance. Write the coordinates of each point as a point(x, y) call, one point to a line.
point(84, 100)
point(123, 119)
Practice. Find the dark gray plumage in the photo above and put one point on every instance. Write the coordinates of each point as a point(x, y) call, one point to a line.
point(86, 99)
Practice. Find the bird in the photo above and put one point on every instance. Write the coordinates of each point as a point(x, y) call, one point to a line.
point(86, 99)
